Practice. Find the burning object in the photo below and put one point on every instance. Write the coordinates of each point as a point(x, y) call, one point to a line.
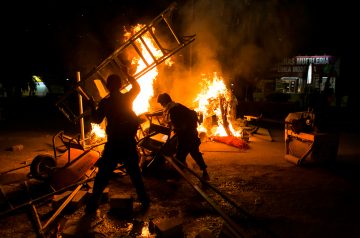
point(144, 49)
point(215, 105)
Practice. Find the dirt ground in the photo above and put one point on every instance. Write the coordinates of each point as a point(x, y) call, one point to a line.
point(274, 198)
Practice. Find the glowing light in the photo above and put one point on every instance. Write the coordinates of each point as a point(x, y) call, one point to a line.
point(141, 103)
point(97, 131)
point(40, 88)
point(145, 232)
point(146, 81)
point(214, 102)
point(309, 74)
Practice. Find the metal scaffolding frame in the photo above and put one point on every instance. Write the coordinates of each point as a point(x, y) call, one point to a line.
point(166, 40)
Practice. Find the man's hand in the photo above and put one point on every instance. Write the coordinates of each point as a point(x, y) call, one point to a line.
point(93, 104)
point(125, 71)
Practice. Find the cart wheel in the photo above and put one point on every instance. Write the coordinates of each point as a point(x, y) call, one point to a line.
point(42, 166)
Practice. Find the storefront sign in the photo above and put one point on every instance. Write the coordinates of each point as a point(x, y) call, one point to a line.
point(306, 60)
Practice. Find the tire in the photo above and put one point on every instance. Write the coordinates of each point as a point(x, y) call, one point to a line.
point(42, 167)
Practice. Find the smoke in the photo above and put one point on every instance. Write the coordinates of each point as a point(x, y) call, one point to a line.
point(239, 39)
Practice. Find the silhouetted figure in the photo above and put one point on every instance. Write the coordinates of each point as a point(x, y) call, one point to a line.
point(184, 123)
point(121, 128)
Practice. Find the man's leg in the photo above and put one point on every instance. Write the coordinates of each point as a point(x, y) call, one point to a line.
point(106, 167)
point(199, 159)
point(132, 168)
point(182, 151)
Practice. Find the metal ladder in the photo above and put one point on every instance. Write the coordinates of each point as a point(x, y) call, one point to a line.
point(169, 43)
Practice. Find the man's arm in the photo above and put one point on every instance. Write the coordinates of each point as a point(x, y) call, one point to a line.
point(135, 89)
point(97, 113)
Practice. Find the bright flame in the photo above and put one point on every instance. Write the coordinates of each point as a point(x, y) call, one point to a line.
point(214, 103)
point(142, 102)
point(97, 133)
point(145, 232)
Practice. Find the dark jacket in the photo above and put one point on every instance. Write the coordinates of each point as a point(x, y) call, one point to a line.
point(122, 122)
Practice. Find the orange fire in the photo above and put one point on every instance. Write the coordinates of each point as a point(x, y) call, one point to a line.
point(141, 103)
point(146, 81)
point(97, 133)
point(214, 103)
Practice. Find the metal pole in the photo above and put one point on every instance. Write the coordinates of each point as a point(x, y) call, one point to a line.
point(62, 207)
point(81, 111)
point(233, 227)
point(43, 197)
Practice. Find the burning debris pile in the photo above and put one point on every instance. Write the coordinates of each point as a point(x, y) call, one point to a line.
point(143, 50)
point(215, 104)
point(217, 107)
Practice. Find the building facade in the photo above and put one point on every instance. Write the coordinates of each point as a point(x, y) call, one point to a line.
point(298, 77)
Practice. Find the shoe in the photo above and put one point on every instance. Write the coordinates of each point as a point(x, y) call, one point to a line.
point(205, 176)
point(145, 205)
point(93, 215)
point(91, 208)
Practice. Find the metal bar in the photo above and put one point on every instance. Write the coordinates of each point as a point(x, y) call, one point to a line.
point(44, 197)
point(101, 76)
point(81, 111)
point(62, 207)
point(54, 143)
point(162, 59)
point(10, 170)
point(82, 92)
point(139, 53)
point(156, 40)
point(172, 31)
point(216, 190)
point(148, 49)
point(233, 227)
point(67, 115)
point(133, 38)
point(37, 220)
point(181, 43)
point(225, 197)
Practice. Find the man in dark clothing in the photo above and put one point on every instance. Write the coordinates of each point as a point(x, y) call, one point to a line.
point(122, 124)
point(184, 123)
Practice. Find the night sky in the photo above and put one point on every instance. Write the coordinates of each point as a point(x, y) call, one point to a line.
point(56, 38)
point(46, 37)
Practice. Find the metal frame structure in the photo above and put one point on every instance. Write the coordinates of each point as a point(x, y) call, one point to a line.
point(166, 39)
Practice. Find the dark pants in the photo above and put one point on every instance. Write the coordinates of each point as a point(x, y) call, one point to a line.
point(117, 152)
point(188, 143)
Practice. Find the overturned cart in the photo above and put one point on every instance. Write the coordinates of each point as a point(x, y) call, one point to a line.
point(69, 163)
point(69, 169)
